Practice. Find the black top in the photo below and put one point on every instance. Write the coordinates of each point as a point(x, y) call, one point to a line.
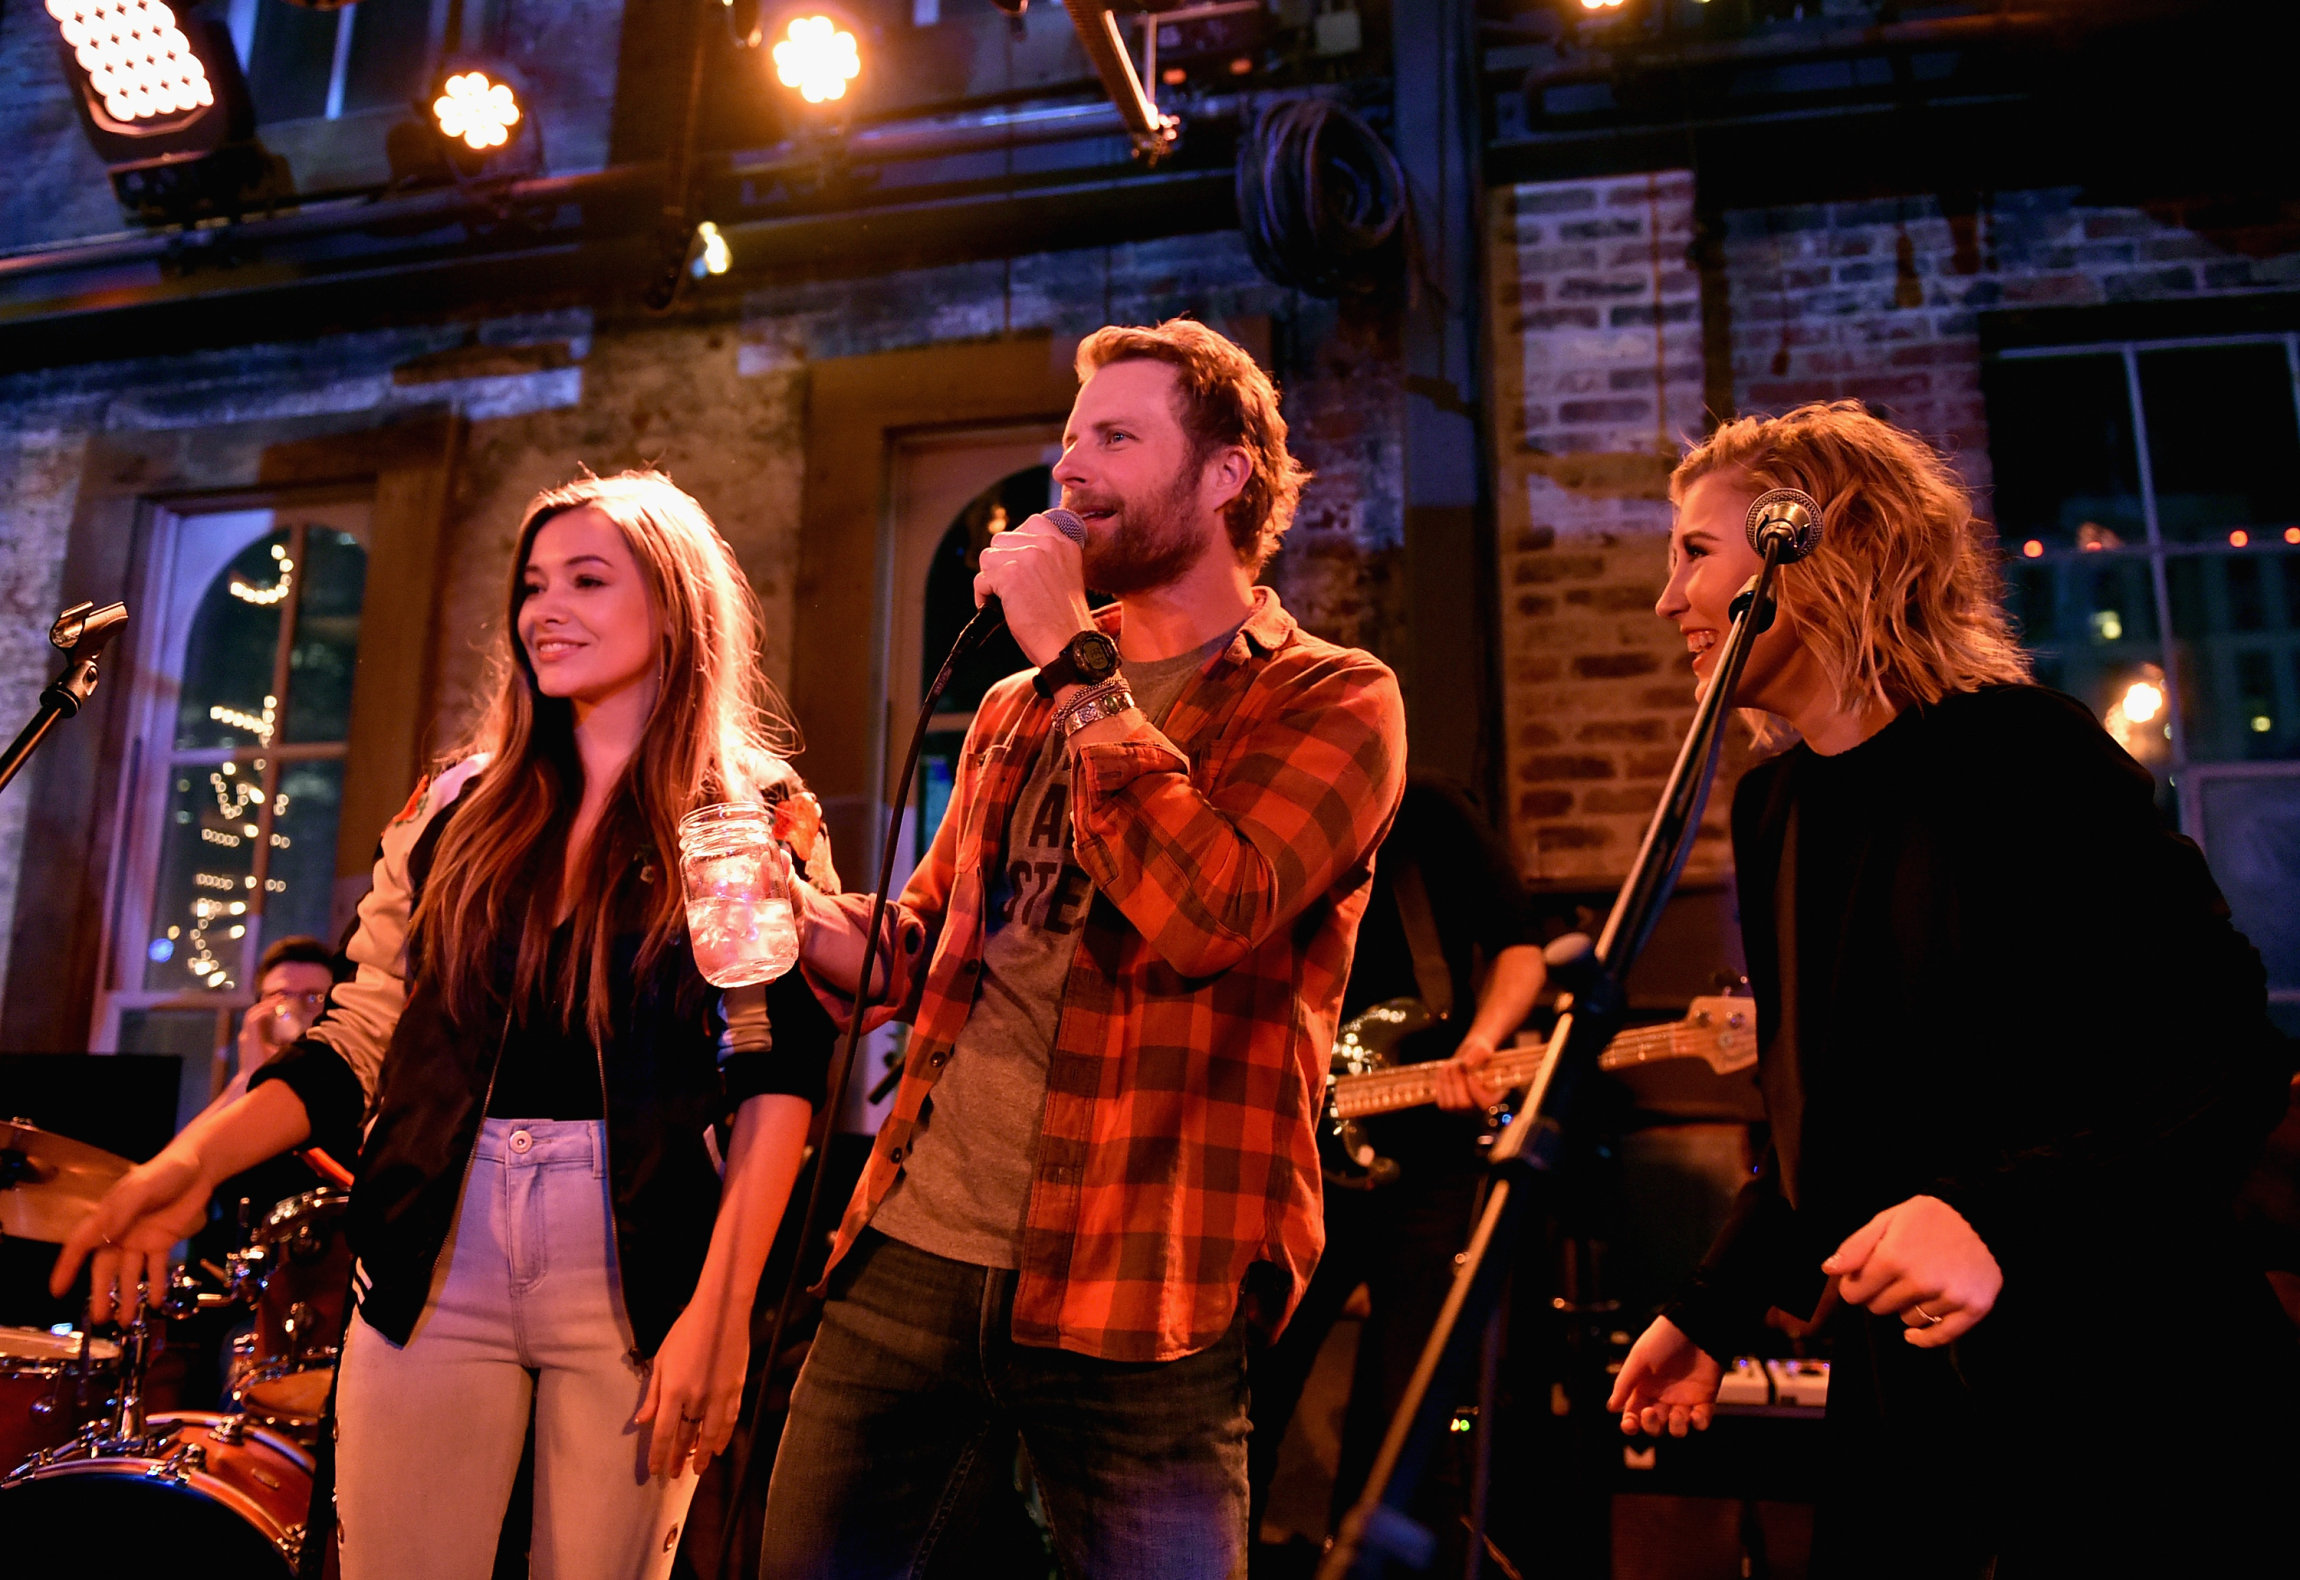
point(1476, 899)
point(2014, 990)
point(550, 1068)
point(1479, 907)
point(668, 1082)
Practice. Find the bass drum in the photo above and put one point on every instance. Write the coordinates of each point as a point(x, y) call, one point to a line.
point(219, 1498)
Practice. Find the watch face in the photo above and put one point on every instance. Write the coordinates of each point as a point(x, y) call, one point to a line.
point(1094, 655)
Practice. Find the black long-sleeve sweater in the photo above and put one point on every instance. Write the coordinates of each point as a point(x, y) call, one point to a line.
point(2009, 987)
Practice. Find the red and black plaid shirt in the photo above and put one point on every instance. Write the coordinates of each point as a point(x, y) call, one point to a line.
point(1231, 857)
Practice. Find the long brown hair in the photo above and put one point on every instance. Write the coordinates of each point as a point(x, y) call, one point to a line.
point(717, 733)
point(1902, 602)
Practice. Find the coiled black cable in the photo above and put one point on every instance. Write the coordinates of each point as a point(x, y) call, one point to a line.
point(1322, 200)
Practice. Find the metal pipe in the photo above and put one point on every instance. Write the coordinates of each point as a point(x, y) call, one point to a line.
point(937, 137)
point(1934, 32)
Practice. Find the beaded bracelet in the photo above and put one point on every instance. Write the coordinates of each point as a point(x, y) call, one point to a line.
point(1105, 701)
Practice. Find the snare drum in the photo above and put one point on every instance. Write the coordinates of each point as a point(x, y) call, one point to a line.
point(217, 1496)
point(303, 1272)
point(48, 1390)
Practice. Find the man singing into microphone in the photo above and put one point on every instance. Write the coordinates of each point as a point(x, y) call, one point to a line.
point(1123, 960)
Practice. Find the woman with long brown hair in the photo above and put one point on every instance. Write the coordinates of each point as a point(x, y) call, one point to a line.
point(538, 1214)
point(2015, 1060)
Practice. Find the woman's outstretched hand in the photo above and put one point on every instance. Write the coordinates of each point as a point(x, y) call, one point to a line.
point(695, 1387)
point(1668, 1383)
point(127, 1237)
point(1921, 1262)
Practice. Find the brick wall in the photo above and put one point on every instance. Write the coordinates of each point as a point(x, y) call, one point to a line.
point(719, 403)
point(1596, 326)
point(1597, 336)
point(1881, 301)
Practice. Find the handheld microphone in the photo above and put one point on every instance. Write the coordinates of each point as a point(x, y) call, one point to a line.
point(990, 619)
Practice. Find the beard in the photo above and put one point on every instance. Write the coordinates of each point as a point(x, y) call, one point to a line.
point(1147, 543)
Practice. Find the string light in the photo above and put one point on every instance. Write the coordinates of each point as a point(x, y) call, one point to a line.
point(476, 110)
point(137, 59)
point(2239, 538)
point(817, 57)
point(257, 724)
point(248, 592)
point(2033, 549)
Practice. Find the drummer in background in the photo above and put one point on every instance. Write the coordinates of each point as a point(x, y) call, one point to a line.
point(537, 1215)
point(292, 986)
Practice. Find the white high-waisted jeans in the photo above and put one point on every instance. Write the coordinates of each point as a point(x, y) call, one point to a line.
point(526, 1305)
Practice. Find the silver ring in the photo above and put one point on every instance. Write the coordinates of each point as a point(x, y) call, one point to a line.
point(1931, 1321)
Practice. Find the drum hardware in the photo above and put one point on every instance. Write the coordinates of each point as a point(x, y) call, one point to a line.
point(51, 1384)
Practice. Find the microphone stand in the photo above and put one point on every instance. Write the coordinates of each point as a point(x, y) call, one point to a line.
point(980, 629)
point(1378, 1529)
point(82, 631)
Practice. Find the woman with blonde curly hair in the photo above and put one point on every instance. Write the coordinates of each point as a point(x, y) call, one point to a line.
point(549, 1085)
point(2015, 1060)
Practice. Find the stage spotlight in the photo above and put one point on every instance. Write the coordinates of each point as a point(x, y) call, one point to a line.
point(162, 101)
point(475, 110)
point(480, 122)
point(818, 58)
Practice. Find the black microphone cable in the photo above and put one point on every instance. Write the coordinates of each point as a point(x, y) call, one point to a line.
point(987, 622)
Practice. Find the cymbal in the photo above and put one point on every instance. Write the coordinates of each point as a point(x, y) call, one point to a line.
point(48, 1182)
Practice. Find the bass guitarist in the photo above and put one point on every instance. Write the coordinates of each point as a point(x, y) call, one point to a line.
point(1449, 924)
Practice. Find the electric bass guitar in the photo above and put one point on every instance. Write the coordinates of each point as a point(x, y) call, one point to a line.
point(1366, 1077)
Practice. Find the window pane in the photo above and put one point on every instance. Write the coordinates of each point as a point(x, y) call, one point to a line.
point(300, 888)
point(2094, 603)
point(289, 61)
point(189, 1034)
point(234, 641)
point(389, 42)
point(950, 588)
point(2223, 440)
point(937, 776)
point(207, 862)
point(2251, 834)
point(2239, 653)
point(2060, 438)
point(326, 642)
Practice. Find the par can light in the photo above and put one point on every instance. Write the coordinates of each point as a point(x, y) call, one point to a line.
point(818, 58)
point(473, 109)
point(473, 122)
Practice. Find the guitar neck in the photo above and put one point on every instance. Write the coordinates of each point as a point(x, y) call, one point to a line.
point(1412, 1085)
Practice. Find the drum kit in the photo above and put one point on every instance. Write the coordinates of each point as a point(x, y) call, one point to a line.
point(80, 1451)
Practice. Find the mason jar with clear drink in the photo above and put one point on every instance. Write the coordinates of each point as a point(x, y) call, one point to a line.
point(738, 903)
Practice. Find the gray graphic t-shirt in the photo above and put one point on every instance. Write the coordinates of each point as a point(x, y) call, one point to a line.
point(966, 1183)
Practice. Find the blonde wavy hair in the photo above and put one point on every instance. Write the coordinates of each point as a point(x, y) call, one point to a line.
point(718, 732)
point(1902, 602)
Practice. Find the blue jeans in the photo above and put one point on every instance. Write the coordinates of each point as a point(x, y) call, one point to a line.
point(525, 1311)
point(912, 1397)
